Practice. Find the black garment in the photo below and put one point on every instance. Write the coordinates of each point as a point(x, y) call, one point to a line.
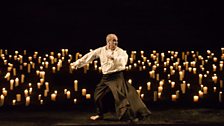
point(126, 101)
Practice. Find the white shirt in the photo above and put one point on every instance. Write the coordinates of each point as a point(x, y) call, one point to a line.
point(108, 65)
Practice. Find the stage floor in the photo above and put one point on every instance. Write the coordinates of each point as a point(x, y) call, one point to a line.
point(192, 116)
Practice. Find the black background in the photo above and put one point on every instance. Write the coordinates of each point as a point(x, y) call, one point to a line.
point(151, 24)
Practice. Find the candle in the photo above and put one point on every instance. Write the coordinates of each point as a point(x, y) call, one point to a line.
point(148, 85)
point(18, 97)
point(131, 60)
point(214, 88)
point(14, 71)
point(76, 85)
point(39, 97)
point(2, 98)
point(41, 101)
point(16, 82)
point(214, 67)
point(27, 101)
point(200, 78)
point(214, 78)
point(11, 84)
point(45, 93)
point(172, 84)
point(47, 86)
point(53, 97)
point(160, 89)
point(130, 81)
point(22, 78)
point(159, 95)
point(75, 100)
point(195, 98)
point(142, 96)
point(38, 85)
point(13, 102)
point(221, 83)
point(26, 92)
point(183, 88)
point(174, 97)
point(205, 90)
point(68, 93)
point(220, 96)
point(200, 93)
point(88, 96)
point(194, 70)
point(155, 96)
point(53, 70)
point(100, 69)
point(4, 92)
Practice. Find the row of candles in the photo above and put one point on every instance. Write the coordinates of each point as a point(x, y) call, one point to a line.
point(61, 58)
point(53, 96)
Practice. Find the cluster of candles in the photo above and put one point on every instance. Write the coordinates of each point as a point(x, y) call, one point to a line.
point(172, 70)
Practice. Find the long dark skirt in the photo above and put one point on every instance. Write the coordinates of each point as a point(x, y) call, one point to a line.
point(126, 102)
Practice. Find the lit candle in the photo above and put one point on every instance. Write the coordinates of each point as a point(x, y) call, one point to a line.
point(39, 97)
point(160, 89)
point(45, 93)
point(130, 81)
point(27, 101)
point(16, 82)
point(2, 99)
point(53, 97)
point(200, 78)
point(68, 93)
point(142, 96)
point(183, 88)
point(88, 96)
point(205, 90)
point(11, 84)
point(200, 93)
point(76, 85)
point(220, 66)
point(4, 92)
point(172, 84)
point(26, 92)
point(194, 70)
point(13, 102)
point(214, 88)
point(22, 78)
point(214, 67)
point(195, 98)
point(41, 101)
point(47, 85)
point(131, 60)
point(148, 85)
point(220, 96)
point(18, 97)
point(174, 97)
point(75, 100)
point(159, 95)
point(38, 85)
point(214, 78)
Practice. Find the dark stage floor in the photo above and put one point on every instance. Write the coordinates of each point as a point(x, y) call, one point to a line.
point(171, 116)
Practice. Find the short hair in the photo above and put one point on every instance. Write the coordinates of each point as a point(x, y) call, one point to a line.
point(111, 36)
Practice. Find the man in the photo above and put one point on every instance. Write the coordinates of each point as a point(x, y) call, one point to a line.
point(126, 101)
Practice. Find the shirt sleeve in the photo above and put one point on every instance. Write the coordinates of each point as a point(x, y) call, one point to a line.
point(121, 59)
point(87, 58)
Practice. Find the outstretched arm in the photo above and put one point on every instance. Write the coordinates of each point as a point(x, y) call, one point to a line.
point(87, 58)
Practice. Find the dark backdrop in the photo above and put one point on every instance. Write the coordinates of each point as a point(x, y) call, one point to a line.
point(151, 24)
